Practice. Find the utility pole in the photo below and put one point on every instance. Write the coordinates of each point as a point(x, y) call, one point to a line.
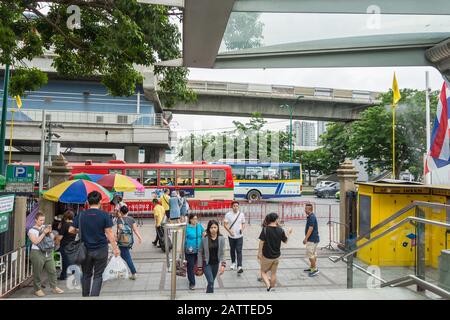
point(428, 124)
point(291, 110)
point(42, 155)
point(3, 125)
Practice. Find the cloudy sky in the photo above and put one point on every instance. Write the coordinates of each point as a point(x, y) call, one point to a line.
point(373, 79)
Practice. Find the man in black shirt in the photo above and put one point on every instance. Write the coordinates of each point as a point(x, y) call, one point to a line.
point(270, 249)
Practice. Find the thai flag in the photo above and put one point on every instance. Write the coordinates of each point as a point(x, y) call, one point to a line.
point(439, 153)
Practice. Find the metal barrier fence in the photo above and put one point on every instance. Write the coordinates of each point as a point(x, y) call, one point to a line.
point(15, 269)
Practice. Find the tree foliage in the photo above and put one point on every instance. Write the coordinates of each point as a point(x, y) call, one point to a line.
point(244, 31)
point(114, 37)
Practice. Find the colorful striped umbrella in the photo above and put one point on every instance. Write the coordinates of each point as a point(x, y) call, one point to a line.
point(86, 176)
point(120, 183)
point(76, 191)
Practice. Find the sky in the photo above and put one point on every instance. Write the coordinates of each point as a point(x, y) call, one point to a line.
point(372, 79)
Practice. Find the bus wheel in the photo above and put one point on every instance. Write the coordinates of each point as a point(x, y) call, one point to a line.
point(254, 195)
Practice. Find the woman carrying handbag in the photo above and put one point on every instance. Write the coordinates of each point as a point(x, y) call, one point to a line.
point(194, 232)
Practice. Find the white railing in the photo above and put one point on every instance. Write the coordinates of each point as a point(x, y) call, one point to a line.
point(97, 118)
point(15, 269)
point(280, 90)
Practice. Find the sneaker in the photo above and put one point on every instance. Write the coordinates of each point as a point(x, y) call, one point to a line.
point(307, 270)
point(260, 279)
point(233, 266)
point(240, 270)
point(39, 293)
point(154, 243)
point(191, 287)
point(57, 290)
point(133, 277)
point(314, 273)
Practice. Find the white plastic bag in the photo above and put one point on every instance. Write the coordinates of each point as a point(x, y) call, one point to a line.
point(116, 269)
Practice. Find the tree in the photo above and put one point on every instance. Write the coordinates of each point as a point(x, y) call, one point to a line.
point(335, 142)
point(113, 38)
point(244, 31)
point(317, 160)
point(372, 135)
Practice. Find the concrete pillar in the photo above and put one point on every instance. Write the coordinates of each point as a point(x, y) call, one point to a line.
point(155, 155)
point(20, 209)
point(131, 154)
point(48, 209)
point(59, 171)
point(347, 175)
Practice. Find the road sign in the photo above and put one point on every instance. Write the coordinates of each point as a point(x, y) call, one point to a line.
point(20, 174)
point(6, 207)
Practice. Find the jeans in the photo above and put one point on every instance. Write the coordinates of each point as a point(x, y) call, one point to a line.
point(94, 264)
point(191, 259)
point(159, 233)
point(125, 254)
point(236, 248)
point(65, 262)
point(40, 262)
point(210, 274)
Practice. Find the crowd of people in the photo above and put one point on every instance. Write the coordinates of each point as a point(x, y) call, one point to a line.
point(204, 250)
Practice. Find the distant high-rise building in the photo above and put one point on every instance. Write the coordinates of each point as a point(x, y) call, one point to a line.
point(303, 133)
point(321, 129)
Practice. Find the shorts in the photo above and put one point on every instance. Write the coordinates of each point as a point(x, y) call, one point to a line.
point(269, 264)
point(311, 250)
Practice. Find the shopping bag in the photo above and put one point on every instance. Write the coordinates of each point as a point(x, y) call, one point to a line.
point(116, 269)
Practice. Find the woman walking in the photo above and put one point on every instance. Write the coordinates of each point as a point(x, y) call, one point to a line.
point(194, 233)
point(174, 207)
point(211, 252)
point(184, 206)
point(41, 255)
point(126, 226)
point(270, 249)
point(66, 238)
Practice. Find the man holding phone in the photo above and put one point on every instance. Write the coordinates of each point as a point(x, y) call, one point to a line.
point(234, 223)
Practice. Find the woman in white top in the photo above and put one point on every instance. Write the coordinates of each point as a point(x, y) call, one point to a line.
point(41, 255)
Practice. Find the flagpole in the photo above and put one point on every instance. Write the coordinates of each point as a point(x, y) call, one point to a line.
point(11, 136)
point(428, 119)
point(393, 141)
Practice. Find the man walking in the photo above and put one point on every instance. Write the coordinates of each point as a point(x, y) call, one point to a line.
point(96, 230)
point(234, 223)
point(311, 240)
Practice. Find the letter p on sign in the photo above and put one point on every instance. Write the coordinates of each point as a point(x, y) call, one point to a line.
point(20, 172)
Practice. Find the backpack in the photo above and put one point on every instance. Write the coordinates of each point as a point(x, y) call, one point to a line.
point(47, 245)
point(125, 235)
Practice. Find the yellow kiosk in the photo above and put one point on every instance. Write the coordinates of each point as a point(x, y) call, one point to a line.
point(379, 201)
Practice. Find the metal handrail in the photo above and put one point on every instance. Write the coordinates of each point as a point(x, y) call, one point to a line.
point(402, 212)
point(390, 229)
point(412, 279)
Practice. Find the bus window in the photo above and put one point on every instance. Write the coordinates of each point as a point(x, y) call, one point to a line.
point(202, 177)
point(296, 172)
point(134, 173)
point(167, 178)
point(285, 173)
point(114, 171)
point(270, 173)
point(238, 173)
point(218, 177)
point(254, 173)
point(150, 177)
point(184, 177)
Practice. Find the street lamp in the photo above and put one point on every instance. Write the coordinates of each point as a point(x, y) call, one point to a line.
point(291, 109)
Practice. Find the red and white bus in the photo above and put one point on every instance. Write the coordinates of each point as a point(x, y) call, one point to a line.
point(207, 186)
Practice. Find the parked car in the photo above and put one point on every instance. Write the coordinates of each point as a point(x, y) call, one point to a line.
point(322, 184)
point(329, 190)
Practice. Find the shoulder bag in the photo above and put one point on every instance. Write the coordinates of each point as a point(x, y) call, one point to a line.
point(76, 250)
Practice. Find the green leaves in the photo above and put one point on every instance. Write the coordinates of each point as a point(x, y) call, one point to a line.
point(114, 37)
point(26, 79)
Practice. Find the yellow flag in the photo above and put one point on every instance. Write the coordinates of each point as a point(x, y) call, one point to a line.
point(397, 96)
point(18, 102)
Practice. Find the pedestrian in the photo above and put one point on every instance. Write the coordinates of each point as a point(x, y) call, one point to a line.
point(184, 206)
point(158, 215)
point(96, 231)
point(175, 207)
point(41, 255)
point(263, 225)
point(270, 249)
point(211, 254)
point(311, 240)
point(165, 201)
point(234, 223)
point(126, 227)
point(194, 234)
point(66, 238)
